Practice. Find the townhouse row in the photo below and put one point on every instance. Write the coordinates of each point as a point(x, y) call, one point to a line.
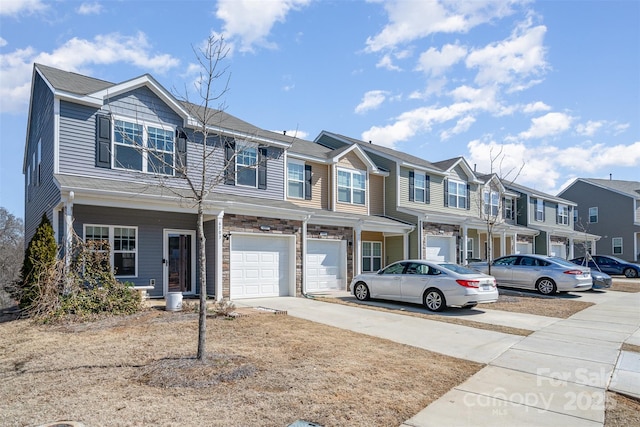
point(287, 216)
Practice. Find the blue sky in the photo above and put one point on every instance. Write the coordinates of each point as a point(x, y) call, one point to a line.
point(554, 84)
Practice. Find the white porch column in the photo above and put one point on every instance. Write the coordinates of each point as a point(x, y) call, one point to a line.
point(303, 232)
point(218, 257)
point(420, 237)
point(514, 244)
point(357, 249)
point(571, 248)
point(503, 243)
point(405, 245)
point(68, 225)
point(465, 245)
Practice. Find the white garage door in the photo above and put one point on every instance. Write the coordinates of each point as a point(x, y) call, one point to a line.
point(524, 248)
point(440, 248)
point(559, 250)
point(260, 266)
point(325, 265)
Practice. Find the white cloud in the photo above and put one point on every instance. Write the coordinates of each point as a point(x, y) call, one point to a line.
point(3, 42)
point(17, 7)
point(461, 126)
point(511, 61)
point(75, 55)
point(545, 165)
point(411, 20)
point(371, 100)
point(536, 107)
point(548, 125)
point(90, 9)
point(589, 128)
point(387, 63)
point(435, 61)
point(251, 21)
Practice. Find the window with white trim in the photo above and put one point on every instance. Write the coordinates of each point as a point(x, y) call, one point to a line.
point(419, 187)
point(457, 192)
point(616, 244)
point(295, 179)
point(123, 242)
point(351, 187)
point(563, 214)
point(145, 148)
point(469, 249)
point(539, 210)
point(491, 203)
point(246, 167)
point(371, 256)
point(593, 215)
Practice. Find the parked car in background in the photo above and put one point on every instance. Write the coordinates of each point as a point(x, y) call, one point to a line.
point(610, 265)
point(600, 280)
point(437, 285)
point(545, 274)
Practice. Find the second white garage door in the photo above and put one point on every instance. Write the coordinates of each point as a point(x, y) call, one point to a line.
point(261, 266)
point(326, 261)
point(440, 248)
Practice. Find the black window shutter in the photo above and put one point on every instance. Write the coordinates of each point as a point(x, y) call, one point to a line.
point(262, 168)
point(181, 149)
point(103, 141)
point(446, 192)
point(468, 197)
point(427, 182)
point(412, 186)
point(307, 182)
point(230, 163)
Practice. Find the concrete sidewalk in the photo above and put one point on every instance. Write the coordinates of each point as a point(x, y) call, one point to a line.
point(558, 375)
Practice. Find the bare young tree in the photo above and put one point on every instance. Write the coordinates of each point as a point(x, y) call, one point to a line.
point(11, 250)
point(492, 201)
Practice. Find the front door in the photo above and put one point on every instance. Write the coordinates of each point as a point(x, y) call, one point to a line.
point(179, 261)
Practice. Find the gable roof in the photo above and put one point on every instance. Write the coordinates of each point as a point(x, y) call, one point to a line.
point(89, 90)
point(626, 188)
point(320, 153)
point(539, 194)
point(449, 164)
point(396, 155)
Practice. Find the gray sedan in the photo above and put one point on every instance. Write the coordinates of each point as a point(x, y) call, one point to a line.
point(543, 273)
point(437, 285)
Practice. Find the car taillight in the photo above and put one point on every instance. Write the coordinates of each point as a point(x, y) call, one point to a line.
point(469, 283)
point(574, 272)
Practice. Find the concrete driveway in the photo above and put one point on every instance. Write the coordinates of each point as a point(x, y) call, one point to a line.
point(558, 375)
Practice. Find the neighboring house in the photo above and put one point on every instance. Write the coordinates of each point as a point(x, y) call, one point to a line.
point(91, 165)
point(611, 209)
point(553, 217)
point(443, 200)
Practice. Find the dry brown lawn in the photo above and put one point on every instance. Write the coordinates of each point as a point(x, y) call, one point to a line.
point(263, 370)
point(625, 285)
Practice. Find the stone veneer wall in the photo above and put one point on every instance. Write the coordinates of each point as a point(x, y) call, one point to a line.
point(251, 224)
point(336, 233)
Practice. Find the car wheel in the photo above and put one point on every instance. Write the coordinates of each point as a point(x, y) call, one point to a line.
point(434, 300)
point(630, 273)
point(361, 291)
point(546, 286)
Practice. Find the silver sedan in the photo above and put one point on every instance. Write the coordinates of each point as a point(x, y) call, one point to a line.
point(437, 285)
point(544, 273)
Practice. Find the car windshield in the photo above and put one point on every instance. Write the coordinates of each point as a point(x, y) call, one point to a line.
point(563, 262)
point(457, 268)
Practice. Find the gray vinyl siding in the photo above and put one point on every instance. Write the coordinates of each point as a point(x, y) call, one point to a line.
point(616, 217)
point(151, 225)
point(77, 145)
point(43, 197)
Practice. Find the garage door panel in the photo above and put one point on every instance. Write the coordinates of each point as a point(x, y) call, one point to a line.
point(325, 262)
point(439, 248)
point(259, 266)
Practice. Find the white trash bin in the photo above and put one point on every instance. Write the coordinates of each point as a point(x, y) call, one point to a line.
point(174, 301)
